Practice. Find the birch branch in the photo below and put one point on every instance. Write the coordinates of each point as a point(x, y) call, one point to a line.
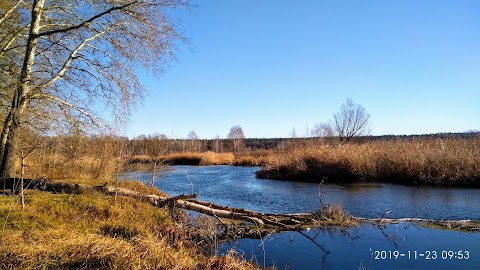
point(65, 103)
point(70, 59)
point(9, 12)
point(88, 21)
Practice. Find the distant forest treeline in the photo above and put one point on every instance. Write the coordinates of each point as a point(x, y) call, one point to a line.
point(272, 143)
point(142, 143)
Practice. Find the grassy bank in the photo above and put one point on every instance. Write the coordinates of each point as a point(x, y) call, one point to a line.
point(429, 161)
point(94, 231)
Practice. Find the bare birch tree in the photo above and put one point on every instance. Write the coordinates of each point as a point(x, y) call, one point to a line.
point(194, 141)
point(77, 59)
point(237, 137)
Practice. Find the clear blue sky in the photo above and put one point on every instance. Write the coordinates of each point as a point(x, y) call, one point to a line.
point(270, 66)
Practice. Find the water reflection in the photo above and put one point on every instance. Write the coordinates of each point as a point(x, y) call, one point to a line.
point(351, 249)
point(364, 247)
point(238, 187)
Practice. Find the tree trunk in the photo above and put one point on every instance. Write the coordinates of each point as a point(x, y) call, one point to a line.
point(21, 96)
point(4, 135)
point(7, 167)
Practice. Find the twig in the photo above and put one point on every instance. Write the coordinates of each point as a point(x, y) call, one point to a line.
point(386, 213)
point(313, 241)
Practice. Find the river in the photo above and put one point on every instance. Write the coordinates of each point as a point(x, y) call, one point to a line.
point(400, 246)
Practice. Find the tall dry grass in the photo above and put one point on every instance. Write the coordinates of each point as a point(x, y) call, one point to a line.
point(212, 158)
point(91, 165)
point(93, 231)
point(446, 161)
point(59, 166)
point(196, 158)
point(207, 158)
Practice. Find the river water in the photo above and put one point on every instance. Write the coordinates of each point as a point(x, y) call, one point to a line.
point(400, 246)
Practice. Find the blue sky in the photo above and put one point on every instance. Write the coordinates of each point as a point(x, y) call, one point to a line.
point(271, 66)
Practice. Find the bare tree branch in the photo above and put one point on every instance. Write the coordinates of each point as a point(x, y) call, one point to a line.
point(86, 22)
point(10, 11)
point(63, 102)
point(70, 59)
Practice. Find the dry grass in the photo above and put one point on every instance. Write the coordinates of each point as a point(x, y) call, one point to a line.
point(212, 158)
point(205, 159)
point(231, 261)
point(333, 212)
point(253, 158)
point(194, 158)
point(103, 168)
point(446, 161)
point(94, 231)
point(57, 166)
point(249, 161)
point(187, 158)
point(138, 187)
point(140, 159)
point(332, 216)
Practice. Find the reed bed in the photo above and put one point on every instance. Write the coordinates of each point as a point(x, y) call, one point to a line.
point(435, 161)
point(61, 166)
point(205, 159)
point(212, 158)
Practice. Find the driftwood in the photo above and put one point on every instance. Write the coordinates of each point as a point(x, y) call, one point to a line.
point(269, 222)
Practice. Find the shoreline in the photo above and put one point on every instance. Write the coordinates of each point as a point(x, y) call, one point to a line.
point(344, 176)
point(330, 175)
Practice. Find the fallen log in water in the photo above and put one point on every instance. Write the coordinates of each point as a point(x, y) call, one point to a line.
point(268, 222)
point(277, 222)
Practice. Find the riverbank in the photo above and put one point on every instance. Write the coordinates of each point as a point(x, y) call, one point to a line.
point(90, 230)
point(450, 162)
point(94, 231)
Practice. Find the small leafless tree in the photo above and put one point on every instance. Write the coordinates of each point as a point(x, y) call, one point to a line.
point(324, 132)
point(237, 137)
point(156, 146)
point(28, 143)
point(122, 152)
point(352, 120)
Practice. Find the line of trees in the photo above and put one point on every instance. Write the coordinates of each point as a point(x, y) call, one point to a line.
point(235, 142)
